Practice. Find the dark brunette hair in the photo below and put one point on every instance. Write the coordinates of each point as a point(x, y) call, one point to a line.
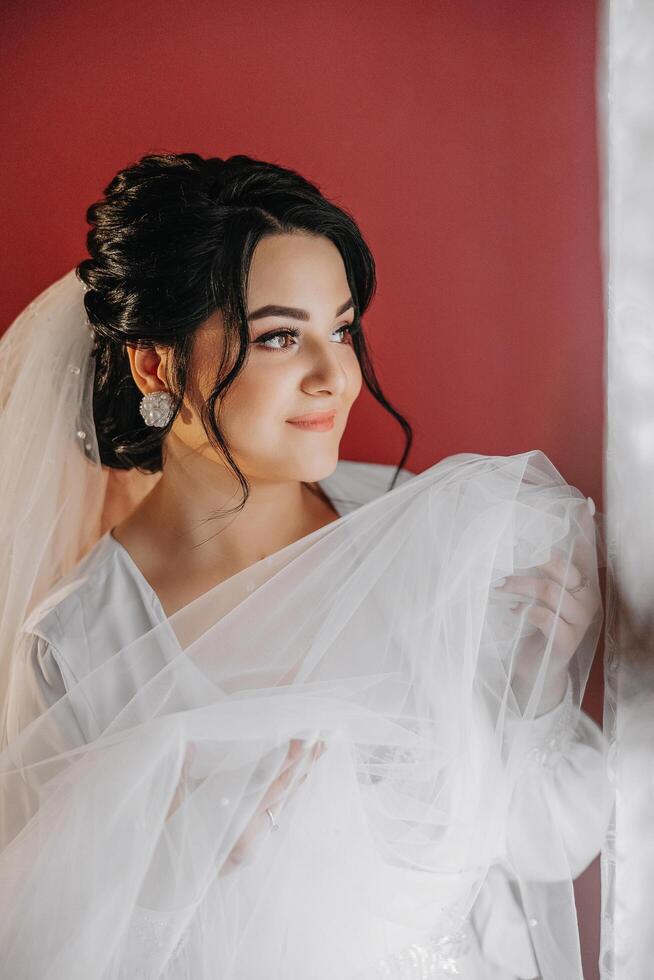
point(171, 242)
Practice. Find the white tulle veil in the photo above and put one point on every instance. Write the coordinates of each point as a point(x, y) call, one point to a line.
point(380, 635)
point(56, 497)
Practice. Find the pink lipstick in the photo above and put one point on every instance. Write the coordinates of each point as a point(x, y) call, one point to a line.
point(315, 421)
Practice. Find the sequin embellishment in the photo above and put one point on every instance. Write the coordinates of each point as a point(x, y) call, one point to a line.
point(149, 931)
point(437, 958)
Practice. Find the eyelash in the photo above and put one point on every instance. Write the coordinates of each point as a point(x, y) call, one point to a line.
point(351, 328)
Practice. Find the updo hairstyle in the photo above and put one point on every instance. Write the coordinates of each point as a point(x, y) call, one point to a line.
point(171, 242)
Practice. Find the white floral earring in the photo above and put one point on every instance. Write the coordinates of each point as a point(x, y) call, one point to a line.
point(157, 408)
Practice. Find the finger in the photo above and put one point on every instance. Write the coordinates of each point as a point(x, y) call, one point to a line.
point(293, 753)
point(274, 796)
point(290, 769)
point(286, 775)
point(284, 783)
point(279, 787)
point(277, 794)
point(312, 750)
point(562, 571)
point(564, 636)
point(571, 575)
point(280, 792)
point(296, 748)
point(550, 593)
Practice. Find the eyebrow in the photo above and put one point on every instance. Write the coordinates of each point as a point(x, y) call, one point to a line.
point(292, 311)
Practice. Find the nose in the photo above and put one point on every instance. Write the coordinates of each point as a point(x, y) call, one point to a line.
point(326, 372)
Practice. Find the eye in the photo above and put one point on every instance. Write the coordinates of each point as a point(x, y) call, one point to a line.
point(265, 339)
point(347, 327)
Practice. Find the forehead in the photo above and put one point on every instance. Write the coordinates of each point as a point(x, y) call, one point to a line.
point(296, 269)
point(299, 270)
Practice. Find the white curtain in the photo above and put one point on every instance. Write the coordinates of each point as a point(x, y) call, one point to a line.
point(626, 99)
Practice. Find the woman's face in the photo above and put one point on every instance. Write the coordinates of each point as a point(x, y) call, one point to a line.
point(285, 375)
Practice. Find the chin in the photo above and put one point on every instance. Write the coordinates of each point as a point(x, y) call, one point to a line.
point(318, 468)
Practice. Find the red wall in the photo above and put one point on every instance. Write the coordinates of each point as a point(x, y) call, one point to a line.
point(461, 135)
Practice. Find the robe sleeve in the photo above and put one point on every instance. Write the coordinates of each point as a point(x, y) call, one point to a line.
point(556, 823)
point(35, 684)
point(561, 802)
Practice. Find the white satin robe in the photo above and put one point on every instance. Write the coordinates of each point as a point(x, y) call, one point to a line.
point(109, 604)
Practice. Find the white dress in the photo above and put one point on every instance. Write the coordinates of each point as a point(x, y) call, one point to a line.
point(108, 603)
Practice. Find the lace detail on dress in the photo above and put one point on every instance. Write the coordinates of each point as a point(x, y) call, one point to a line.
point(549, 750)
point(150, 931)
point(438, 957)
point(435, 959)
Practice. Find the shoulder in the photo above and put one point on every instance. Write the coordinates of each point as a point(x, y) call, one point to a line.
point(36, 681)
point(99, 606)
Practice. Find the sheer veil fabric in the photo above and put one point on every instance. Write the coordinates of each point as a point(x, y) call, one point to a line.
point(442, 795)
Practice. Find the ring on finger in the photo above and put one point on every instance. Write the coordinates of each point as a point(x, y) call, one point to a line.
point(273, 825)
point(582, 585)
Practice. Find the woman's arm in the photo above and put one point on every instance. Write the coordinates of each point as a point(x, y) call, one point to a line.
point(35, 684)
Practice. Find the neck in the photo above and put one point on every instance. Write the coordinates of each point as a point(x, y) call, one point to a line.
point(173, 518)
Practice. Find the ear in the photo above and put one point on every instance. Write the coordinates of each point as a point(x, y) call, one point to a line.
point(148, 367)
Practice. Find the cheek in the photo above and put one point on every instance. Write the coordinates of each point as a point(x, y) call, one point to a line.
point(260, 398)
point(355, 378)
point(255, 402)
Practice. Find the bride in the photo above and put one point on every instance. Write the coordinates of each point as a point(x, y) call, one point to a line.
point(268, 713)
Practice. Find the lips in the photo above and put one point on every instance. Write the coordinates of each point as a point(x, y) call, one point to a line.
point(315, 417)
point(314, 421)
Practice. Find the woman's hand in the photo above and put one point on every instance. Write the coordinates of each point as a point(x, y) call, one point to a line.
point(570, 589)
point(277, 792)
